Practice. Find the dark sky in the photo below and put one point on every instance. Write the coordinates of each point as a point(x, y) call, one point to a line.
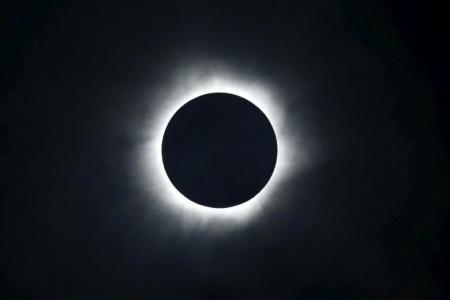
point(367, 82)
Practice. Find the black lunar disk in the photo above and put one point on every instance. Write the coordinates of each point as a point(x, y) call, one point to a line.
point(219, 150)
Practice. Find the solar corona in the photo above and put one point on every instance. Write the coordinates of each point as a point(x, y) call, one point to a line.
point(195, 83)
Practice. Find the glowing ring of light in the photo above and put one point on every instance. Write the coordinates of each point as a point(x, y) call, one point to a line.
point(193, 84)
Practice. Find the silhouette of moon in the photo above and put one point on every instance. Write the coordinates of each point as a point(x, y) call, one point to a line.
point(219, 150)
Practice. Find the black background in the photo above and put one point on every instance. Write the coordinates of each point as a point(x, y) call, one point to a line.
point(366, 220)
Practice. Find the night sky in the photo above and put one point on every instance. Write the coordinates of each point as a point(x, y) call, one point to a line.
point(364, 85)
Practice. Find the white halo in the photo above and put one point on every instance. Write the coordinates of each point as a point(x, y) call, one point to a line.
point(191, 83)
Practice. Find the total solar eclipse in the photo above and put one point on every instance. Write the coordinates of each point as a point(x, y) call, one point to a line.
point(219, 150)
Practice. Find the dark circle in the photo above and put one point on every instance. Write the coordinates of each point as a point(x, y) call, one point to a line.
point(219, 150)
